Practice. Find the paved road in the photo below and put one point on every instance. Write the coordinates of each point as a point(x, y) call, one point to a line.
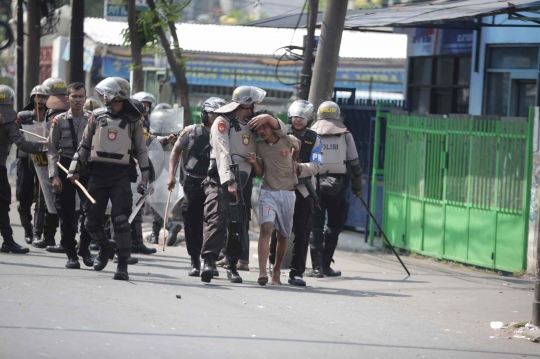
point(372, 311)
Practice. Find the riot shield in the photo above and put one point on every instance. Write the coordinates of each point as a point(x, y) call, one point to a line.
point(158, 199)
point(166, 122)
point(41, 162)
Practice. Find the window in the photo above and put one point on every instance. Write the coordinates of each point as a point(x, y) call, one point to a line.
point(511, 80)
point(439, 85)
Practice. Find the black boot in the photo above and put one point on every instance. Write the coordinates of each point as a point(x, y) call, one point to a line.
point(56, 249)
point(10, 245)
point(139, 247)
point(102, 258)
point(195, 270)
point(232, 272)
point(39, 224)
point(28, 234)
point(329, 249)
point(73, 260)
point(316, 260)
point(216, 272)
point(173, 234)
point(154, 238)
point(48, 241)
point(94, 246)
point(122, 268)
point(87, 258)
point(208, 269)
point(131, 260)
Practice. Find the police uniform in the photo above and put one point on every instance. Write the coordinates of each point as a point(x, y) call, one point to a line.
point(108, 142)
point(339, 152)
point(9, 133)
point(56, 104)
point(66, 133)
point(309, 162)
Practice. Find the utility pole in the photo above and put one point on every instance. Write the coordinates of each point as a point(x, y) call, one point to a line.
point(326, 62)
point(76, 43)
point(20, 56)
point(305, 79)
point(536, 301)
point(33, 49)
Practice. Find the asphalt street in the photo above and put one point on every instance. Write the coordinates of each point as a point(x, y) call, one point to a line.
point(372, 311)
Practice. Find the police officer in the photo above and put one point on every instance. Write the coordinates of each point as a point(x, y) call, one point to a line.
point(339, 153)
point(26, 176)
point(231, 138)
point(56, 104)
point(112, 136)
point(148, 100)
point(196, 140)
point(9, 133)
point(66, 133)
point(309, 160)
point(92, 104)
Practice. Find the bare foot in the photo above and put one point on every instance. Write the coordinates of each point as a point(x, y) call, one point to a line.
point(275, 281)
point(276, 272)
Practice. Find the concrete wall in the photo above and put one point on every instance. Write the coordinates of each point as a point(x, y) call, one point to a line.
point(496, 35)
point(534, 211)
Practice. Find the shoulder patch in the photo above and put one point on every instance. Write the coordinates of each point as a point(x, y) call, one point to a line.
point(184, 131)
point(221, 126)
point(54, 121)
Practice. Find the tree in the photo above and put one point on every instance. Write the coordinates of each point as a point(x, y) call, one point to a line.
point(136, 47)
point(154, 24)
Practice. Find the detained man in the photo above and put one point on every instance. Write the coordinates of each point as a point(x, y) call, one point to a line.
point(275, 163)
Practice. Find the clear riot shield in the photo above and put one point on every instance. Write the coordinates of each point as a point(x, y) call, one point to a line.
point(156, 158)
point(167, 122)
point(41, 162)
point(158, 199)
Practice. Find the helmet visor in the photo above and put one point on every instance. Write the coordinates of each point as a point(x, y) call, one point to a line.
point(254, 95)
point(108, 88)
point(304, 110)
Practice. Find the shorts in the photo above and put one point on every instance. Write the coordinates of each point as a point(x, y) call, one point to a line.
point(277, 207)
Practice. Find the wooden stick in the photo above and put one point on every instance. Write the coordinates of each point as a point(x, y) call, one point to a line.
point(165, 220)
point(78, 184)
point(33, 134)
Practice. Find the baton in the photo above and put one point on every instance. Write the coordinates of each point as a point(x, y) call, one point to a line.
point(78, 184)
point(165, 219)
point(384, 235)
point(33, 134)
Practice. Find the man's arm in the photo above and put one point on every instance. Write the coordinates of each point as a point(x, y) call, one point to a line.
point(139, 142)
point(219, 140)
point(312, 167)
point(279, 128)
point(353, 161)
point(54, 144)
point(180, 145)
point(18, 139)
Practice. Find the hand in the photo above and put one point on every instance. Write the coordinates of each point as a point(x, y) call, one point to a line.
point(45, 146)
point(141, 189)
point(251, 157)
point(171, 182)
point(258, 121)
point(171, 138)
point(233, 189)
point(74, 178)
point(57, 184)
point(358, 194)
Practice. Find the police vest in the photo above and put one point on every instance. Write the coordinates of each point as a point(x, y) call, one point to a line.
point(334, 152)
point(308, 142)
point(241, 141)
point(25, 118)
point(112, 140)
point(198, 157)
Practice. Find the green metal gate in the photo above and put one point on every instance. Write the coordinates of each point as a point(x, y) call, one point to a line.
point(458, 188)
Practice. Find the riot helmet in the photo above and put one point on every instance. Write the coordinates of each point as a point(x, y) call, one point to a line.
point(92, 103)
point(37, 90)
point(7, 97)
point(56, 88)
point(209, 106)
point(329, 110)
point(163, 106)
point(146, 97)
point(302, 109)
point(243, 95)
point(139, 106)
point(113, 87)
point(166, 122)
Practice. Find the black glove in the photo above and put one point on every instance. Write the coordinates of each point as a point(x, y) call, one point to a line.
point(357, 185)
point(141, 189)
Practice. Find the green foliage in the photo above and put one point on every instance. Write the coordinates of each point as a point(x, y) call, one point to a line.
point(148, 21)
point(6, 61)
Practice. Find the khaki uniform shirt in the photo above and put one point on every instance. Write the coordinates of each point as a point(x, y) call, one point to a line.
point(279, 173)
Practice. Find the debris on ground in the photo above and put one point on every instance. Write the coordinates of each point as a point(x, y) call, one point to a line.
point(521, 330)
point(178, 296)
point(496, 325)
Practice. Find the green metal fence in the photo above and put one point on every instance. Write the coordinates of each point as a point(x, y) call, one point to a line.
point(458, 188)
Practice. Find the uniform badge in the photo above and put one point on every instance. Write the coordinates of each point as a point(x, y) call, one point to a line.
point(283, 153)
point(221, 126)
point(111, 135)
point(246, 139)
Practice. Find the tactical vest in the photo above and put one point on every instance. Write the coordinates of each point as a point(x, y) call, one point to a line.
point(198, 157)
point(334, 152)
point(112, 140)
point(308, 142)
point(241, 141)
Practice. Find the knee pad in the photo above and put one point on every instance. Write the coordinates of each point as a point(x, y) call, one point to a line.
point(92, 226)
point(121, 224)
